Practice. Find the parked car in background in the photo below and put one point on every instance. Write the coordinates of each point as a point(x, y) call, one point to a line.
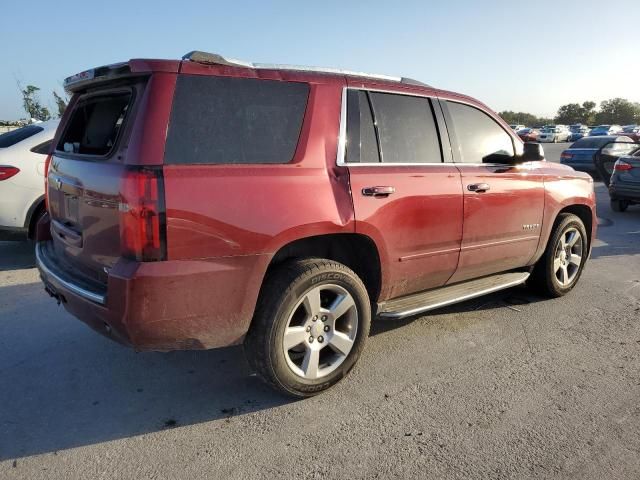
point(529, 135)
point(632, 131)
point(554, 133)
point(605, 130)
point(22, 160)
point(580, 155)
point(517, 128)
point(578, 131)
point(620, 171)
point(169, 179)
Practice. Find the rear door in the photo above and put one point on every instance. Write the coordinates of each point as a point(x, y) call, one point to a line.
point(503, 204)
point(405, 197)
point(85, 175)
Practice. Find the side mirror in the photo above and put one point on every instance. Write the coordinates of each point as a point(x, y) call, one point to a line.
point(532, 152)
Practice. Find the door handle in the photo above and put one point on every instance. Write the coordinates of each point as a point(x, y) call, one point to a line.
point(478, 187)
point(379, 192)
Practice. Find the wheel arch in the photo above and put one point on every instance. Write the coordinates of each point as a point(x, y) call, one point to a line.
point(33, 212)
point(356, 251)
point(584, 213)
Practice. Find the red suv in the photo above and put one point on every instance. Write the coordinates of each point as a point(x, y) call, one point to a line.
point(202, 203)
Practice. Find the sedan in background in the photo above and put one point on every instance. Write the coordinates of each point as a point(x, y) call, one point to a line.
point(517, 128)
point(23, 153)
point(529, 134)
point(632, 131)
point(601, 130)
point(578, 131)
point(580, 155)
point(554, 134)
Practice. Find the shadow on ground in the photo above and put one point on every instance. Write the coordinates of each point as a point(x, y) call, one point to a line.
point(64, 386)
point(16, 255)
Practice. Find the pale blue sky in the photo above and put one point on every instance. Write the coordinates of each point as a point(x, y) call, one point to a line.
point(519, 55)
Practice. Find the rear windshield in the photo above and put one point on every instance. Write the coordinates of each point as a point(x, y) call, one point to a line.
point(14, 136)
point(94, 124)
point(222, 120)
point(592, 142)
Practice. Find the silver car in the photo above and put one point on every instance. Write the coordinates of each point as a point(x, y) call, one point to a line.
point(554, 134)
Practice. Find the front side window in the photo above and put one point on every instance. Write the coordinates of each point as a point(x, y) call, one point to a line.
point(224, 120)
point(479, 136)
point(406, 128)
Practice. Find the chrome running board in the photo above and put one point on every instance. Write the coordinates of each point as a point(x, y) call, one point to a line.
point(443, 296)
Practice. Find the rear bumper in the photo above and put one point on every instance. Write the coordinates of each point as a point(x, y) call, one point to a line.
point(163, 306)
point(624, 191)
point(13, 233)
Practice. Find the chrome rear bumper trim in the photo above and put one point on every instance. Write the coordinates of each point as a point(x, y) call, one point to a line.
point(50, 275)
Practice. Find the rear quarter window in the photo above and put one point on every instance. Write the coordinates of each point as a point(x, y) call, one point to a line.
point(9, 139)
point(221, 120)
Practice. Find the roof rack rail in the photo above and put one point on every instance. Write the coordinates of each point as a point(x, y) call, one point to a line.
point(216, 59)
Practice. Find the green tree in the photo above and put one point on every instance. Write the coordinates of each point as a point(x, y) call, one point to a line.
point(61, 103)
point(32, 104)
point(618, 111)
point(523, 118)
point(576, 113)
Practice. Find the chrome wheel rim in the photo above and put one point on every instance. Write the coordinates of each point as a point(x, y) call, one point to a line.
point(568, 256)
point(320, 331)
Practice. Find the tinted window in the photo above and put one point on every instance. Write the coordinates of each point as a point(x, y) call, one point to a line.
point(43, 148)
point(362, 145)
point(406, 128)
point(478, 135)
point(14, 136)
point(235, 120)
point(592, 142)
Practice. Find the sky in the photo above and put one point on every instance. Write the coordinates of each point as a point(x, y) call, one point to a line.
point(513, 55)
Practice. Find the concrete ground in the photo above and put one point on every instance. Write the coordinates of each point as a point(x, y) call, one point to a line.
point(505, 386)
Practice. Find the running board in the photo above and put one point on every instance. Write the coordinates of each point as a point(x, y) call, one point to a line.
point(441, 297)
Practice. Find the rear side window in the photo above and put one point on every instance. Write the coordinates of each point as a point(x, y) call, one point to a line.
point(14, 136)
point(478, 135)
point(362, 145)
point(221, 120)
point(406, 128)
point(95, 124)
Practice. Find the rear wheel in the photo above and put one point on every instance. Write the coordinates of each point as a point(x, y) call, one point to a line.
point(561, 265)
point(619, 205)
point(310, 326)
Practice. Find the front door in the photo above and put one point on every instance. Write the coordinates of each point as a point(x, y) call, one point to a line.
point(503, 204)
point(404, 196)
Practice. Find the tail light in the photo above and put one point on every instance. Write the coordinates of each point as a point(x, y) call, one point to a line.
point(622, 166)
point(566, 155)
point(142, 215)
point(7, 172)
point(47, 164)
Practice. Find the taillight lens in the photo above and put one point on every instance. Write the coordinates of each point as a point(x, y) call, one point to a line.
point(142, 215)
point(622, 166)
point(47, 164)
point(566, 155)
point(7, 172)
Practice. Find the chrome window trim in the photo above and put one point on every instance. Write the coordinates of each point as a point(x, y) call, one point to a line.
point(342, 136)
point(81, 292)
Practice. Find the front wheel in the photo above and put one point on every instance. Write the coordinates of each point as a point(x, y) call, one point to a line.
point(310, 326)
point(561, 265)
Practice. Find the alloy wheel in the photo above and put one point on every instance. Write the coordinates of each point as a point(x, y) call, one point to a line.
point(568, 256)
point(321, 331)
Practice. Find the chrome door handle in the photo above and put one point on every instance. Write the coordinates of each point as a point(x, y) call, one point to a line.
point(478, 187)
point(378, 191)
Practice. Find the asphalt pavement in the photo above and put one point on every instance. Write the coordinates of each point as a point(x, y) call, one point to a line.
point(506, 386)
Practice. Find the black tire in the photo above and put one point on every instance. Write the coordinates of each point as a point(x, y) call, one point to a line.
point(619, 205)
point(544, 279)
point(280, 298)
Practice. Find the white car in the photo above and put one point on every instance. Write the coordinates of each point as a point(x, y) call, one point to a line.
point(517, 128)
point(23, 153)
point(554, 133)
